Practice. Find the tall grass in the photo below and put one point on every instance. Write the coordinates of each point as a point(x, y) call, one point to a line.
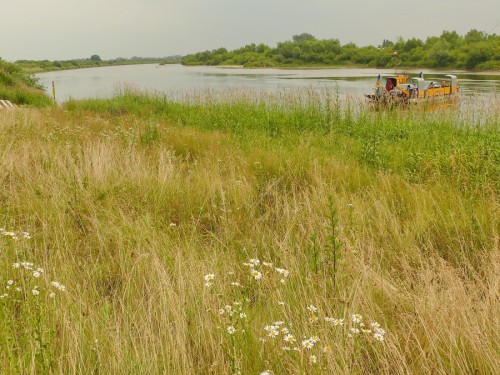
point(20, 88)
point(133, 203)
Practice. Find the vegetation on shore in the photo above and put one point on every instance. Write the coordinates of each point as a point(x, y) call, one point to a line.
point(19, 87)
point(37, 66)
point(234, 233)
point(474, 50)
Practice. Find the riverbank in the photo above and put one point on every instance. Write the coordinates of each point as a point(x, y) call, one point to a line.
point(20, 88)
point(34, 67)
point(229, 234)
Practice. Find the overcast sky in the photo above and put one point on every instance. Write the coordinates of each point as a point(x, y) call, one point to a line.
point(68, 29)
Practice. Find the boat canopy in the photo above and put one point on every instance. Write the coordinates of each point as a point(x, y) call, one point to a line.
point(421, 83)
point(453, 79)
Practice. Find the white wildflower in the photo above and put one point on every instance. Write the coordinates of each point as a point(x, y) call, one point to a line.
point(308, 344)
point(254, 262)
point(289, 338)
point(378, 336)
point(312, 308)
point(256, 274)
point(338, 322)
point(209, 277)
point(273, 333)
point(58, 286)
point(356, 318)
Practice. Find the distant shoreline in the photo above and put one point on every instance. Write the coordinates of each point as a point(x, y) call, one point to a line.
point(298, 67)
point(33, 68)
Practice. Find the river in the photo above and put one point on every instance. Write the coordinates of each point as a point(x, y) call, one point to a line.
point(173, 79)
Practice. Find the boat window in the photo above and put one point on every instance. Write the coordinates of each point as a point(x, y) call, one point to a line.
point(390, 83)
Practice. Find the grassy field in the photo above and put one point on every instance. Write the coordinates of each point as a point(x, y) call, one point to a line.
point(241, 233)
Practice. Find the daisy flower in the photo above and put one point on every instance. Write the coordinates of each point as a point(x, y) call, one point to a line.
point(289, 338)
point(308, 344)
point(356, 318)
point(254, 262)
point(312, 308)
point(256, 274)
point(209, 277)
point(338, 322)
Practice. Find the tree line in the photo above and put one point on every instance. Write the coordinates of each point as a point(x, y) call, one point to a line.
point(36, 66)
point(474, 50)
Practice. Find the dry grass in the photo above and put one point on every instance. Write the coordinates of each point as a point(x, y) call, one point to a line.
point(130, 213)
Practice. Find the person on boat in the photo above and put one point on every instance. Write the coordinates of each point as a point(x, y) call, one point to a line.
point(389, 85)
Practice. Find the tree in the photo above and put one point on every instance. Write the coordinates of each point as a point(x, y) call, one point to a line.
point(302, 37)
point(451, 37)
point(386, 43)
point(479, 53)
point(439, 54)
point(474, 36)
point(95, 58)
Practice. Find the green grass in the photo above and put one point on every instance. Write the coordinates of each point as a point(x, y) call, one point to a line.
point(20, 88)
point(420, 144)
point(131, 201)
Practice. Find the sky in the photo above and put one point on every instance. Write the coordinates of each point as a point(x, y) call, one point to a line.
point(72, 29)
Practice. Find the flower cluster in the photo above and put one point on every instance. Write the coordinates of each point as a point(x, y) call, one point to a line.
point(233, 309)
point(231, 316)
point(280, 335)
point(209, 278)
point(14, 235)
point(257, 271)
point(309, 345)
point(359, 327)
point(280, 328)
point(37, 274)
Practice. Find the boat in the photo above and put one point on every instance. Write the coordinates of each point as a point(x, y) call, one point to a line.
point(402, 89)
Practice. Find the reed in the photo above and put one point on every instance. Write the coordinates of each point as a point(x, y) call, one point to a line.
point(179, 236)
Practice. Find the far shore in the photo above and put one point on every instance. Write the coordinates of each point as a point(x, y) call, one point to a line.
point(287, 67)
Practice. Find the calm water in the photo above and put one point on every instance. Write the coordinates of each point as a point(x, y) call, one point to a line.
point(104, 82)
